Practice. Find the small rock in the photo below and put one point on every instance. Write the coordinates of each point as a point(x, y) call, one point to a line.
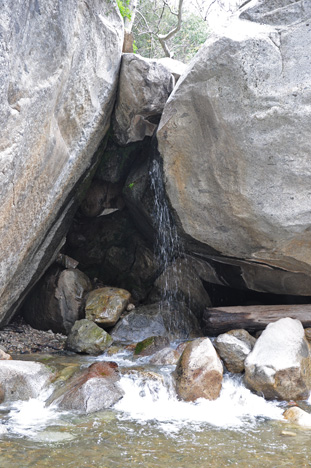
point(232, 351)
point(87, 337)
point(151, 345)
point(4, 356)
point(296, 415)
point(105, 305)
point(199, 371)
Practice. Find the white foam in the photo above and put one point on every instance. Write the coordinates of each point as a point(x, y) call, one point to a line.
point(153, 401)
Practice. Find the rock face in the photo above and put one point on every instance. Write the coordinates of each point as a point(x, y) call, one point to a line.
point(234, 137)
point(87, 337)
point(57, 301)
point(199, 371)
point(93, 389)
point(21, 380)
point(279, 365)
point(156, 319)
point(105, 305)
point(144, 88)
point(58, 75)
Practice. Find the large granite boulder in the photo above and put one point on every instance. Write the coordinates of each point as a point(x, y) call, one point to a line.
point(199, 371)
point(235, 141)
point(58, 76)
point(279, 365)
point(144, 88)
point(57, 300)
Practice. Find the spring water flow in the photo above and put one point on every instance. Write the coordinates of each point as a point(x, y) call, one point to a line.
point(149, 427)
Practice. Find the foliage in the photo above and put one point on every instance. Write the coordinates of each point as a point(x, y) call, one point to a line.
point(154, 17)
point(124, 9)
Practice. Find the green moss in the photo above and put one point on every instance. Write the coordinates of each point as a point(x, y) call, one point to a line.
point(142, 345)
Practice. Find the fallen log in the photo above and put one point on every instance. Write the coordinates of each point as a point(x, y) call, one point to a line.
point(218, 320)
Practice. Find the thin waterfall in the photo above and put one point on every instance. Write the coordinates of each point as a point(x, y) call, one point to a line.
point(167, 243)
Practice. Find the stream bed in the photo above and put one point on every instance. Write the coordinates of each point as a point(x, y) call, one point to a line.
point(150, 428)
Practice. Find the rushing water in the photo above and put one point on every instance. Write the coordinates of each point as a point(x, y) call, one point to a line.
point(149, 427)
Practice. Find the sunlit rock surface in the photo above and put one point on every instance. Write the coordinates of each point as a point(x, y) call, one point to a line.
point(235, 140)
point(279, 366)
point(199, 371)
point(233, 351)
point(58, 76)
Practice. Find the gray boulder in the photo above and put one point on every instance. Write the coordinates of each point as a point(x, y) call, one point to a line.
point(57, 300)
point(279, 365)
point(175, 322)
point(93, 389)
point(235, 138)
point(87, 337)
point(233, 350)
point(144, 88)
point(22, 380)
point(199, 371)
point(58, 77)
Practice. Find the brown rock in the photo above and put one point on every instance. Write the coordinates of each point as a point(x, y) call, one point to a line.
point(199, 371)
point(105, 305)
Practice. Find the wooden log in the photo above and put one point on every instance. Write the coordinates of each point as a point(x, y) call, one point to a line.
point(252, 318)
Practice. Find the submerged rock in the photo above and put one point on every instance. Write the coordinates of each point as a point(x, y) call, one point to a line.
point(91, 390)
point(22, 380)
point(87, 337)
point(172, 321)
point(105, 305)
point(199, 371)
point(57, 301)
point(279, 365)
point(235, 137)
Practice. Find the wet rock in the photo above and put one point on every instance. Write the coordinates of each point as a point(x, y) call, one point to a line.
point(87, 337)
point(174, 321)
point(22, 380)
point(54, 113)
point(199, 371)
point(91, 390)
point(232, 351)
point(296, 415)
point(57, 301)
point(105, 305)
point(150, 345)
point(144, 88)
point(182, 280)
point(226, 137)
point(165, 357)
point(279, 366)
